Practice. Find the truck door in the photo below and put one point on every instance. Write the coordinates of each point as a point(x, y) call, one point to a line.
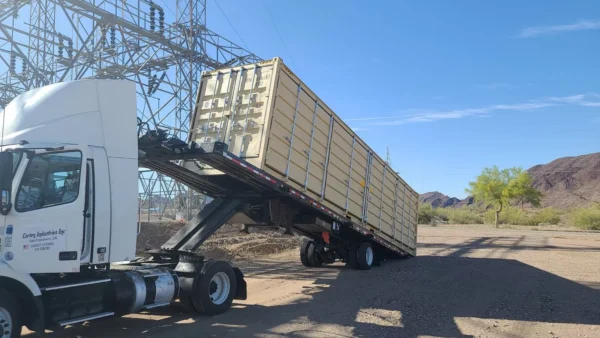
point(46, 222)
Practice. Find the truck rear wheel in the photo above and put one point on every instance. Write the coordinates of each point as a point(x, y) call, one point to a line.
point(365, 256)
point(313, 256)
point(215, 288)
point(11, 318)
point(304, 253)
point(309, 255)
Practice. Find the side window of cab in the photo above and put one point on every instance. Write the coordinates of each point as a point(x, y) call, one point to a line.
point(50, 179)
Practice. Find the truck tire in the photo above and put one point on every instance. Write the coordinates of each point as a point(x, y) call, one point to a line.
point(215, 288)
point(11, 316)
point(185, 301)
point(365, 256)
point(313, 256)
point(304, 252)
point(351, 259)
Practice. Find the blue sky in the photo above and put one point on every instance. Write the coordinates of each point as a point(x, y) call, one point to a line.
point(450, 87)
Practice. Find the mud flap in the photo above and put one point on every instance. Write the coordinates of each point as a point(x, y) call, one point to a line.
point(241, 292)
point(36, 322)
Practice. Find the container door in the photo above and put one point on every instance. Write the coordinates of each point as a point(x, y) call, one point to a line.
point(212, 113)
point(247, 120)
point(48, 217)
point(233, 109)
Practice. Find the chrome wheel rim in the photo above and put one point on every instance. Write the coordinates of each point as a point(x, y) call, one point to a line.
point(369, 256)
point(6, 323)
point(220, 285)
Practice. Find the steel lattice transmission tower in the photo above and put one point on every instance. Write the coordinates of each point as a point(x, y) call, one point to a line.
point(161, 45)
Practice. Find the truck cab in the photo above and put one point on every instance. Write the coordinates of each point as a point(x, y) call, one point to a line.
point(71, 145)
point(68, 213)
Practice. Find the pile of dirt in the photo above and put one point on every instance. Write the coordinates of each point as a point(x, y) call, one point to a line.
point(154, 234)
point(229, 243)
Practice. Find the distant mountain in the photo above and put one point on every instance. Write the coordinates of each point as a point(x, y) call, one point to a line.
point(568, 181)
point(565, 183)
point(439, 200)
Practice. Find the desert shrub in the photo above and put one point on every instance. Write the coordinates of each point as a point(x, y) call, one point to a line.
point(426, 213)
point(586, 218)
point(545, 216)
point(464, 215)
point(509, 215)
point(516, 216)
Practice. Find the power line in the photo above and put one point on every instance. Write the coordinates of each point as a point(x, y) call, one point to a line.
point(230, 24)
point(278, 34)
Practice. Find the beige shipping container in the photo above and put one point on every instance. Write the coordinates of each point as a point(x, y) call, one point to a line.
point(271, 119)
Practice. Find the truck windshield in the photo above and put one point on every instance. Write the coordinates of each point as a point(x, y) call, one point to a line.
point(50, 179)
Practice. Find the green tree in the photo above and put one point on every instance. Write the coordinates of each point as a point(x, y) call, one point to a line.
point(523, 190)
point(500, 187)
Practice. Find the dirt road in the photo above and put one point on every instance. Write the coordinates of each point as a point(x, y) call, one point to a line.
point(466, 281)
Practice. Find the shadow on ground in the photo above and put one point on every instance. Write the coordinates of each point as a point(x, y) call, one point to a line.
point(405, 298)
point(502, 244)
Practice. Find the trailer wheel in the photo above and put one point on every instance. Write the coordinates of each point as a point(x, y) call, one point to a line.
point(351, 259)
point(215, 288)
point(309, 255)
point(365, 256)
point(11, 318)
point(313, 256)
point(304, 253)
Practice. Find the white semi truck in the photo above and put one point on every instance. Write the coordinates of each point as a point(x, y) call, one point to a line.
point(69, 160)
point(69, 210)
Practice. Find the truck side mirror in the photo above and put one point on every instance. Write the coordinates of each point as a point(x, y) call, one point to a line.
point(6, 170)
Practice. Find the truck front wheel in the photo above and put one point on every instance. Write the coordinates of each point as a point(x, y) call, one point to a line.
point(215, 289)
point(11, 317)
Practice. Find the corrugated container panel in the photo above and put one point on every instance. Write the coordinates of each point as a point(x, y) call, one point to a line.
point(269, 117)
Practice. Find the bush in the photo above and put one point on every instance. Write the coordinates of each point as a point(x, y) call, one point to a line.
point(546, 216)
point(426, 213)
point(464, 215)
point(473, 214)
point(516, 216)
point(508, 215)
point(586, 218)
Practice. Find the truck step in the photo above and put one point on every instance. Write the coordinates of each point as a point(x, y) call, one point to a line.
point(74, 285)
point(155, 274)
point(86, 318)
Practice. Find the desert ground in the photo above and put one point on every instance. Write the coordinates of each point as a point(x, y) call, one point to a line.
point(467, 281)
